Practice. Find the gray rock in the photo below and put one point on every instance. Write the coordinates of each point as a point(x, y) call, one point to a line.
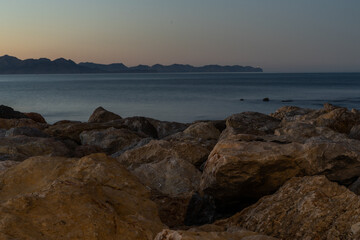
point(26, 131)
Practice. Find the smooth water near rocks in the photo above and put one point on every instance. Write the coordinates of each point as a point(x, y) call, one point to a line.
point(174, 97)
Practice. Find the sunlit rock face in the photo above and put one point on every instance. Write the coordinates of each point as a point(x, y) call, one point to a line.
point(89, 198)
point(304, 208)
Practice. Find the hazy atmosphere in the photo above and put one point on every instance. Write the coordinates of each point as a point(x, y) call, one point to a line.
point(279, 36)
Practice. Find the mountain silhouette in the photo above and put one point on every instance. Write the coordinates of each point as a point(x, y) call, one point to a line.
point(13, 65)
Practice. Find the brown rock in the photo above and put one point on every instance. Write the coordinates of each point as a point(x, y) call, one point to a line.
point(172, 210)
point(19, 148)
point(198, 235)
point(71, 130)
point(101, 115)
point(242, 169)
point(158, 150)
point(111, 140)
point(289, 113)
point(170, 176)
point(4, 165)
point(203, 131)
point(89, 198)
point(141, 125)
point(339, 119)
point(355, 132)
point(304, 208)
point(36, 117)
point(165, 129)
point(12, 123)
point(250, 123)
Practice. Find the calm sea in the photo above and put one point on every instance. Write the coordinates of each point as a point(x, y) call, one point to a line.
point(175, 97)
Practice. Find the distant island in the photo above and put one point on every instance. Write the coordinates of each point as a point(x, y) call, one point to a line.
point(13, 65)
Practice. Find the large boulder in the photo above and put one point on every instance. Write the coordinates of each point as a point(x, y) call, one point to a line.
point(304, 208)
point(244, 168)
point(290, 113)
point(339, 119)
point(250, 123)
point(9, 113)
point(19, 148)
point(89, 198)
point(101, 115)
point(111, 140)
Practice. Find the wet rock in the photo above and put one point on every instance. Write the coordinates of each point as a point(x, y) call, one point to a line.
point(9, 113)
point(101, 115)
point(89, 198)
point(26, 131)
point(111, 140)
point(36, 117)
point(266, 99)
point(304, 208)
point(19, 148)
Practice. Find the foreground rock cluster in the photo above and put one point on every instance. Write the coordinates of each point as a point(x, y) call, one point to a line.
point(293, 174)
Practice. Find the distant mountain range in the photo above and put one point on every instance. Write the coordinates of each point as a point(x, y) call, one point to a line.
point(13, 65)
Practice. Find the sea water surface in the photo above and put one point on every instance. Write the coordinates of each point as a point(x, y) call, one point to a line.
point(182, 97)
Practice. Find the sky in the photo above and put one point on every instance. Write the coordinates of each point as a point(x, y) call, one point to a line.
point(277, 35)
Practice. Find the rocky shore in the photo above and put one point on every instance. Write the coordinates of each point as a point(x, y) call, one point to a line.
point(293, 174)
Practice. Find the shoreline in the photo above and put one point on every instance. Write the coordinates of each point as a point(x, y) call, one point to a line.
point(269, 174)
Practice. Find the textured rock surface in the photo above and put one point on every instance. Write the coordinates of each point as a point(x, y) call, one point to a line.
point(19, 148)
point(250, 123)
point(4, 165)
point(158, 150)
point(170, 176)
point(304, 208)
point(71, 130)
point(141, 125)
point(198, 235)
point(12, 123)
point(101, 115)
point(165, 129)
point(25, 131)
point(245, 167)
point(36, 117)
point(89, 198)
point(111, 140)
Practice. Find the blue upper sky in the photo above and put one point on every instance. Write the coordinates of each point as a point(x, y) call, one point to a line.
point(278, 35)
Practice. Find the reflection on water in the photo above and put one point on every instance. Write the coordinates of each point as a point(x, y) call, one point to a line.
point(174, 97)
